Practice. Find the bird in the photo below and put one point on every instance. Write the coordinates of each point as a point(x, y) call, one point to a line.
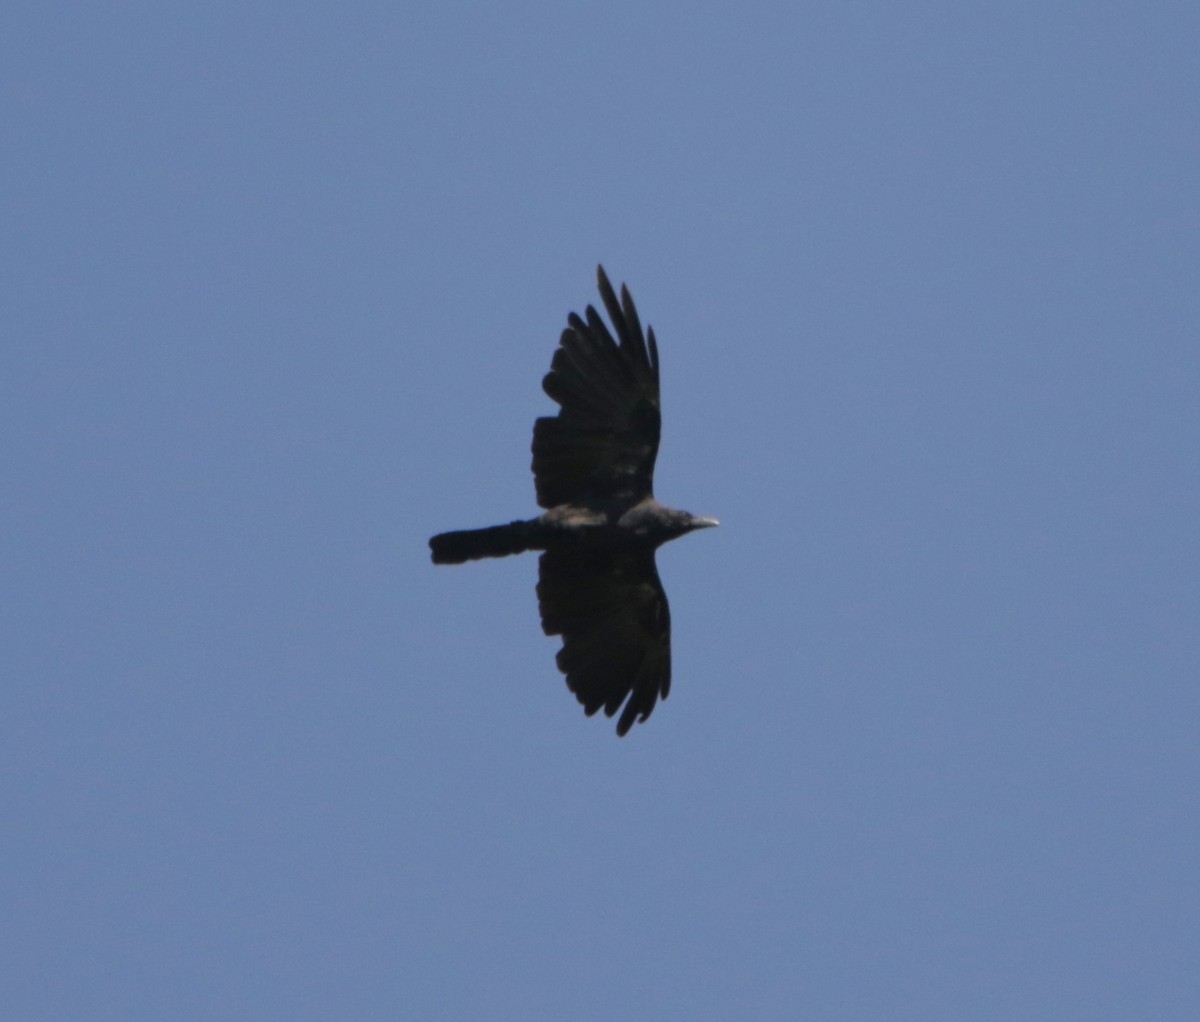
point(593, 467)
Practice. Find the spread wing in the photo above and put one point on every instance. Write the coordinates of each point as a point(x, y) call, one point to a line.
point(613, 616)
point(602, 444)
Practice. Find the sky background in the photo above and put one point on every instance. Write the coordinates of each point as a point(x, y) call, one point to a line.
point(277, 289)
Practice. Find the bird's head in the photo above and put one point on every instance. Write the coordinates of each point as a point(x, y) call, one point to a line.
point(662, 524)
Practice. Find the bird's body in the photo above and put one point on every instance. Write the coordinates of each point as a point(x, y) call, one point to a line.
point(593, 466)
point(612, 527)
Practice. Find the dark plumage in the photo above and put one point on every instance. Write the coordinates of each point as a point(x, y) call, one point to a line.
point(593, 466)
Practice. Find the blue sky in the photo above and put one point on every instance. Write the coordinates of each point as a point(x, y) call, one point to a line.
point(278, 288)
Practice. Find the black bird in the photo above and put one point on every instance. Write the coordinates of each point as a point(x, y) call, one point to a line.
point(593, 466)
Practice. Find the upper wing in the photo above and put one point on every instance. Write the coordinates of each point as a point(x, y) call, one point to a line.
point(603, 443)
point(616, 626)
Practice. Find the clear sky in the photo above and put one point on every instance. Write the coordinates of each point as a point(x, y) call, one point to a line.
point(277, 288)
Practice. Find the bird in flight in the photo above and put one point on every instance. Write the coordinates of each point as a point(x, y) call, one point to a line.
point(593, 468)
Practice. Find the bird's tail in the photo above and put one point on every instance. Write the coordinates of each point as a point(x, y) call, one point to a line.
point(498, 541)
